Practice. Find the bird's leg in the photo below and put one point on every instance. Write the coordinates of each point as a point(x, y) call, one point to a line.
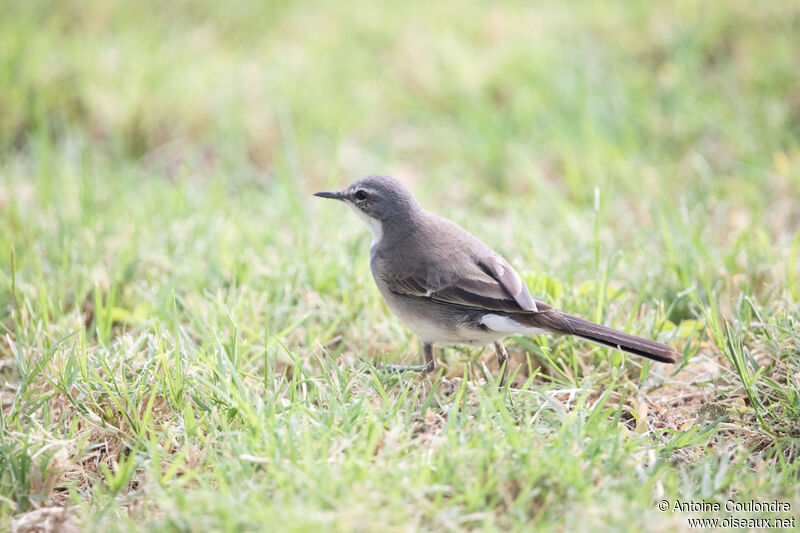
point(429, 365)
point(502, 361)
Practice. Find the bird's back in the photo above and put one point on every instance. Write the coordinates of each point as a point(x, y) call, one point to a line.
point(456, 249)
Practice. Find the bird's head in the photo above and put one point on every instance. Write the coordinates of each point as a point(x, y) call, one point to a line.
point(378, 201)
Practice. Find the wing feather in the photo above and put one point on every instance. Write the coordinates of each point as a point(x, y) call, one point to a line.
point(490, 284)
point(505, 274)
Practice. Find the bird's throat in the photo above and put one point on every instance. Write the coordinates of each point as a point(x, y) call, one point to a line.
point(375, 226)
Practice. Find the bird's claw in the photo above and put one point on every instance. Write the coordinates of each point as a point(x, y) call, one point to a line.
point(407, 368)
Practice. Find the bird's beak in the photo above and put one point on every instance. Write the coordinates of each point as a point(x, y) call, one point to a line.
point(336, 195)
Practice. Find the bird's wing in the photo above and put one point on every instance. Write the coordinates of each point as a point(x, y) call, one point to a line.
point(503, 273)
point(488, 283)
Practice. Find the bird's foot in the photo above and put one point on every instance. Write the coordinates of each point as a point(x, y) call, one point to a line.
point(408, 368)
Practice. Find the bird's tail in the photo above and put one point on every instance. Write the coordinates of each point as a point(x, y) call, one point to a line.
point(559, 322)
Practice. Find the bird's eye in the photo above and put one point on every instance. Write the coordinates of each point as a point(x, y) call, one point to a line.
point(360, 195)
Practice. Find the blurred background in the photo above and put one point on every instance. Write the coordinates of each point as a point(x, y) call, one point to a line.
point(511, 97)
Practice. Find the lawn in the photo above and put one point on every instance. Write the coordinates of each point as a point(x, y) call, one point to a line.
point(189, 341)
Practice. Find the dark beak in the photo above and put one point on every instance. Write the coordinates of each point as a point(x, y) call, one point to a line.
point(336, 195)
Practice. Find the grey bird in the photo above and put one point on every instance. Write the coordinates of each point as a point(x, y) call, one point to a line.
point(449, 287)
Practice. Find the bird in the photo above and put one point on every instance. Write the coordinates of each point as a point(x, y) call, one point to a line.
point(451, 288)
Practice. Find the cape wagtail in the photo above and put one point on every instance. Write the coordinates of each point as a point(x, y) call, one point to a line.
point(451, 288)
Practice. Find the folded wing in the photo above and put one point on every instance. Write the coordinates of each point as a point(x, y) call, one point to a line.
point(488, 283)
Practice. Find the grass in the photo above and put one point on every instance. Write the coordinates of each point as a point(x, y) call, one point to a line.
point(188, 340)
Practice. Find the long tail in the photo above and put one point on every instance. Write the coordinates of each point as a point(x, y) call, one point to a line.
point(559, 322)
